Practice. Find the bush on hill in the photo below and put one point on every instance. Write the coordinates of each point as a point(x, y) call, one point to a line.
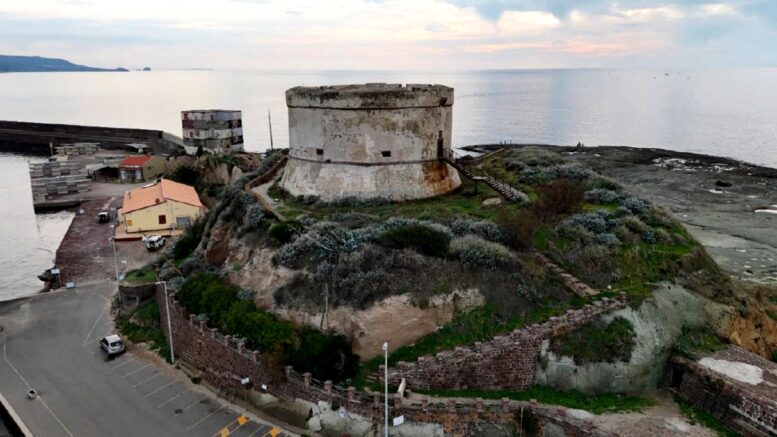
point(220, 304)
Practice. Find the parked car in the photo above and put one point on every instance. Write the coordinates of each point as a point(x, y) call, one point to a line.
point(112, 345)
point(103, 217)
point(154, 242)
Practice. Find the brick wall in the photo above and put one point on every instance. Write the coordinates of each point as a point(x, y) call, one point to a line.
point(737, 404)
point(505, 362)
point(223, 364)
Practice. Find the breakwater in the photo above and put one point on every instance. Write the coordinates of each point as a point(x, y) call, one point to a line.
point(36, 138)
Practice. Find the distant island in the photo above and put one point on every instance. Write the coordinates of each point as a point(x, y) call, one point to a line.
point(28, 64)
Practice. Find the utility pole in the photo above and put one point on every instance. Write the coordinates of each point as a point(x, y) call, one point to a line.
point(169, 324)
point(385, 385)
point(269, 120)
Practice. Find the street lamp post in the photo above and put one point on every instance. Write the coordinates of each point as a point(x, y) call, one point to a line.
point(169, 324)
point(385, 387)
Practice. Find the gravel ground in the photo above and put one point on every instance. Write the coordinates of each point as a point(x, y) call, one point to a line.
point(86, 251)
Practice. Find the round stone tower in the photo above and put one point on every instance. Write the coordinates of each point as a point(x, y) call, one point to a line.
point(368, 141)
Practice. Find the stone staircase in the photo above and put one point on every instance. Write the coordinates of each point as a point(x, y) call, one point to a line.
point(506, 191)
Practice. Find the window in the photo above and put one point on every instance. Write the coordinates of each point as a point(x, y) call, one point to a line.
point(183, 222)
point(319, 152)
point(386, 153)
point(162, 219)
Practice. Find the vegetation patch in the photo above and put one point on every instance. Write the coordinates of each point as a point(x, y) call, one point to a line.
point(150, 333)
point(226, 307)
point(420, 238)
point(465, 201)
point(697, 415)
point(595, 403)
point(597, 342)
point(141, 276)
point(694, 343)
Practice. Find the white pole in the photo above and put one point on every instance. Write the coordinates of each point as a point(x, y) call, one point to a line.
point(385, 384)
point(115, 261)
point(169, 324)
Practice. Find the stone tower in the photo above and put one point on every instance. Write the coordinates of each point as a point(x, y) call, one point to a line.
point(368, 141)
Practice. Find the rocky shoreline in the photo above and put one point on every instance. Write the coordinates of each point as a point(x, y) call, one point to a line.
point(729, 206)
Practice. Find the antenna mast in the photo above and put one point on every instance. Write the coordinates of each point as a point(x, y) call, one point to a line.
point(269, 120)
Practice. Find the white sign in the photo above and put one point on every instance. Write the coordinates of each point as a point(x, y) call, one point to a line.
point(399, 420)
point(245, 381)
point(341, 412)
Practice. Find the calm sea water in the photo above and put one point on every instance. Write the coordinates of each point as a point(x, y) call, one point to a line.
point(730, 112)
point(27, 241)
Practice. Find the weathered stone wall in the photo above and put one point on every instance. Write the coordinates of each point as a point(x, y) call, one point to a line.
point(741, 406)
point(223, 364)
point(369, 141)
point(506, 362)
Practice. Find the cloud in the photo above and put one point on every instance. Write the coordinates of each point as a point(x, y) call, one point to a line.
point(377, 34)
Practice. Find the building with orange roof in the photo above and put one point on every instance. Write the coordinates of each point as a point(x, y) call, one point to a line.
point(141, 168)
point(163, 205)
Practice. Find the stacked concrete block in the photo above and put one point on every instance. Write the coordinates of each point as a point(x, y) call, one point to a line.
point(77, 149)
point(57, 178)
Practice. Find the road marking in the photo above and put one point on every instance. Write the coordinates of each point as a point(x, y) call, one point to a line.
point(99, 317)
point(160, 388)
point(261, 428)
point(148, 379)
point(224, 432)
point(172, 398)
point(123, 363)
point(137, 370)
point(203, 419)
point(195, 402)
point(40, 398)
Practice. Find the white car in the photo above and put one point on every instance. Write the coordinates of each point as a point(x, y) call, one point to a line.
point(154, 242)
point(112, 345)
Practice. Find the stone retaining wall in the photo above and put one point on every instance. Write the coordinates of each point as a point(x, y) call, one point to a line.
point(223, 364)
point(505, 362)
point(737, 404)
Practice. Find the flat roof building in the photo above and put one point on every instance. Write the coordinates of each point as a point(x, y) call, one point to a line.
point(214, 130)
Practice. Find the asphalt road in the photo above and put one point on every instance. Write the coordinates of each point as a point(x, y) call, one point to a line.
point(50, 343)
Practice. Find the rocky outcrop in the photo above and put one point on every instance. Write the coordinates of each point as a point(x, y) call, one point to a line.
point(658, 323)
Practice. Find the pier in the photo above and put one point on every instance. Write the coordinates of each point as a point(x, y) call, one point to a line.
point(38, 138)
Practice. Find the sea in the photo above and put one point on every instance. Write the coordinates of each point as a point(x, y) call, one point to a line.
point(726, 112)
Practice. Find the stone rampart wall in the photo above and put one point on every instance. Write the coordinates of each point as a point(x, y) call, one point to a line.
point(736, 404)
point(505, 362)
point(223, 364)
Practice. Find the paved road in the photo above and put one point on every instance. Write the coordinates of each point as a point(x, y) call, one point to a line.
point(50, 343)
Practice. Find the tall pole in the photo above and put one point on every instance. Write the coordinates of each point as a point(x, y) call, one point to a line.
point(385, 386)
point(115, 261)
point(269, 120)
point(169, 324)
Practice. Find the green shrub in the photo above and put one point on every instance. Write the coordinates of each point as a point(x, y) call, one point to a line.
point(474, 252)
point(597, 342)
point(187, 174)
point(140, 276)
point(418, 237)
point(596, 403)
point(224, 306)
point(695, 342)
point(281, 232)
point(185, 246)
point(559, 197)
point(328, 356)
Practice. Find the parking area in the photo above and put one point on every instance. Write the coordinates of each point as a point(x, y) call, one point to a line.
point(51, 345)
point(197, 412)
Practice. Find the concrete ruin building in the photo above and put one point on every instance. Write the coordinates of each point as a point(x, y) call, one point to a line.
point(369, 141)
point(215, 130)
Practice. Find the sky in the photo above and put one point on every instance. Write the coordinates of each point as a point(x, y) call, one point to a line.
point(393, 34)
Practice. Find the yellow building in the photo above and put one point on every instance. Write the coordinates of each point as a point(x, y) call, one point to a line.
point(164, 205)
